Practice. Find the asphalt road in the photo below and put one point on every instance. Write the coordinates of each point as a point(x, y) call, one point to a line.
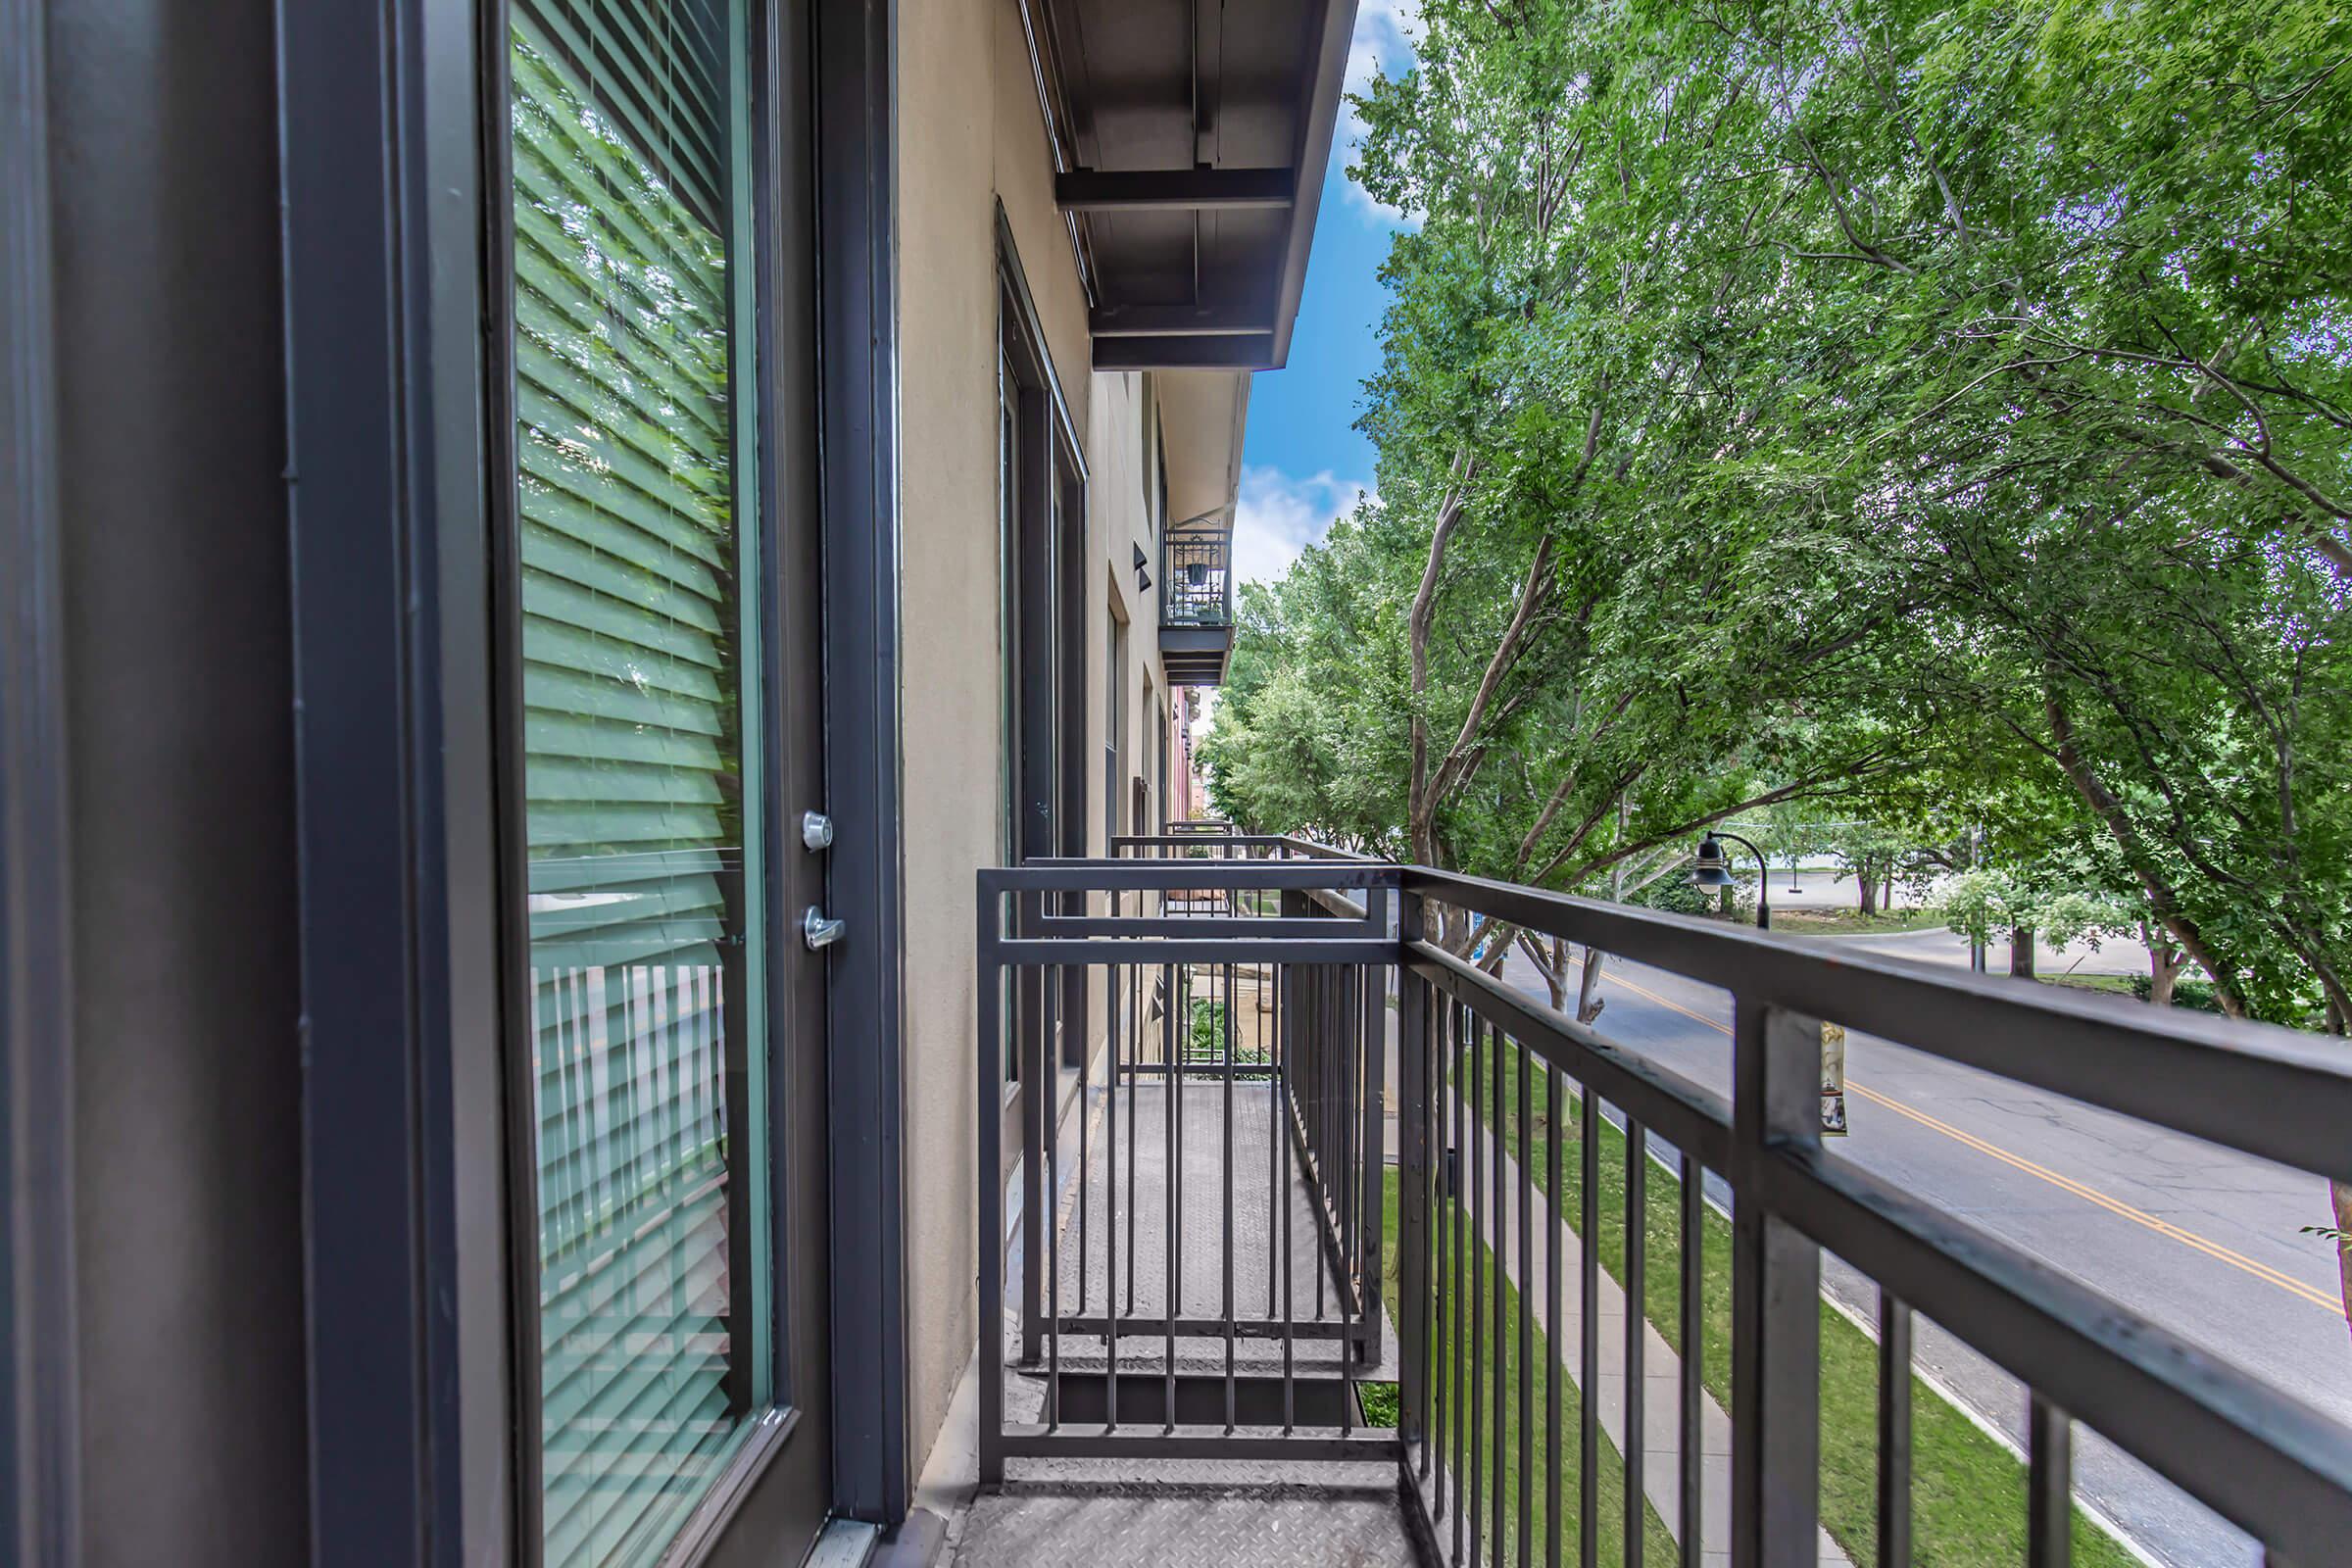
point(2206, 1241)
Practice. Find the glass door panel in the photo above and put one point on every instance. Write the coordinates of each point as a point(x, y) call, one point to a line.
point(638, 545)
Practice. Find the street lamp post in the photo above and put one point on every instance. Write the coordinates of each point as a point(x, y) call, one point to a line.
point(1713, 869)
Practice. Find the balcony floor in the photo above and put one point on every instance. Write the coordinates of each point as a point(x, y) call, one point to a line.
point(1316, 1520)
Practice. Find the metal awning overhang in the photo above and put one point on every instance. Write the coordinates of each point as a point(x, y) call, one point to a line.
point(1191, 141)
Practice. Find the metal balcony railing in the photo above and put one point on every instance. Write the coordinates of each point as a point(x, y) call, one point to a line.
point(1207, 1279)
point(1196, 576)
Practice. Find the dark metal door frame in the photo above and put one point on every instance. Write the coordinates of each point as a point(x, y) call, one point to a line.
point(857, 202)
point(40, 1418)
point(407, 855)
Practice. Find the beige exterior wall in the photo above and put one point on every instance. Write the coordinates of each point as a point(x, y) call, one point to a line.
point(971, 135)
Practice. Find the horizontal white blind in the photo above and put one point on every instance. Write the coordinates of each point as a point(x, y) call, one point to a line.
point(632, 691)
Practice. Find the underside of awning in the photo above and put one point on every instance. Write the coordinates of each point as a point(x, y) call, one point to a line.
point(1190, 138)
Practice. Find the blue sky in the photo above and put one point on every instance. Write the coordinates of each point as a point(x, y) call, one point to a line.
point(1303, 462)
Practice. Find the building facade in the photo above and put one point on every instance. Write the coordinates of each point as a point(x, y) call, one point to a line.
point(546, 541)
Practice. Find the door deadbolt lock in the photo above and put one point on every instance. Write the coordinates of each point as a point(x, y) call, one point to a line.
point(817, 830)
point(819, 932)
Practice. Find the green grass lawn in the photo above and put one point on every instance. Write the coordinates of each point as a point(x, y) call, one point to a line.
point(1497, 1366)
point(2115, 984)
point(1968, 1490)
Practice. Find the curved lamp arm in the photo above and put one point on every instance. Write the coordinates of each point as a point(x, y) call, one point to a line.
point(1763, 878)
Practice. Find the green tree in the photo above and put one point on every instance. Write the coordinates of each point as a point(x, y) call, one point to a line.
point(1847, 393)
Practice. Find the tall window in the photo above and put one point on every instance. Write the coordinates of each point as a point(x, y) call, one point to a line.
point(1159, 767)
point(639, 543)
point(1008, 664)
point(1114, 735)
point(1009, 610)
point(1147, 405)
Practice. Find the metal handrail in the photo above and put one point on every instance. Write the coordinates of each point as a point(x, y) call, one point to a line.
point(2272, 1464)
point(2275, 1466)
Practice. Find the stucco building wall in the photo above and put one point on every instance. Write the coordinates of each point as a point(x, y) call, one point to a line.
point(971, 137)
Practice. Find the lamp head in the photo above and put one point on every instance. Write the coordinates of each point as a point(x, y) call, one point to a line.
point(1712, 868)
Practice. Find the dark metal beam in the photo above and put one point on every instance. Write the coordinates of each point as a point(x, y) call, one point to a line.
point(1089, 190)
point(1225, 351)
point(1182, 320)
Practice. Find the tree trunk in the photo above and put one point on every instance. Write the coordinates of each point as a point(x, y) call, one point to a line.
point(2161, 896)
point(1589, 1001)
point(2340, 1200)
point(1421, 807)
point(1870, 892)
point(1556, 982)
point(1833, 1080)
point(2164, 961)
point(2020, 951)
point(1729, 903)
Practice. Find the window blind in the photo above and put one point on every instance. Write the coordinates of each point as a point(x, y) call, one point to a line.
point(633, 744)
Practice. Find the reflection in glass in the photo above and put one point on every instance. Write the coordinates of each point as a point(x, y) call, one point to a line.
point(636, 548)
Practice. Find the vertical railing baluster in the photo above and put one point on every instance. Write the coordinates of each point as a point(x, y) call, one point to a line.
point(1776, 1296)
point(1693, 1448)
point(1110, 1199)
point(1084, 1141)
point(1554, 1270)
point(1444, 1393)
point(2049, 1485)
point(1587, 1485)
point(1474, 1505)
point(1637, 1256)
point(1282, 1136)
point(1412, 1197)
point(1527, 1313)
point(1230, 995)
point(1171, 1080)
point(1464, 1416)
point(1031, 1050)
point(1444, 1292)
point(1316, 1120)
point(1271, 1045)
point(989, 1350)
point(1181, 1049)
point(1498, 1237)
point(1894, 1431)
point(1044, 1210)
point(1345, 1050)
point(1374, 1088)
point(1135, 1010)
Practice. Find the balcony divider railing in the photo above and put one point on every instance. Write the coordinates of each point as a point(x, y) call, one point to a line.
point(1196, 576)
point(1327, 945)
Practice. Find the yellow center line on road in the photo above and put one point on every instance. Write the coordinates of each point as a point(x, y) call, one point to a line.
point(2090, 1194)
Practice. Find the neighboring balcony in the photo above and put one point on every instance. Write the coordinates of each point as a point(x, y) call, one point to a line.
point(1195, 603)
point(1312, 1288)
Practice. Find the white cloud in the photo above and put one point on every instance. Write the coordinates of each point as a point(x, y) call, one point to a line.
point(1277, 516)
point(1382, 45)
